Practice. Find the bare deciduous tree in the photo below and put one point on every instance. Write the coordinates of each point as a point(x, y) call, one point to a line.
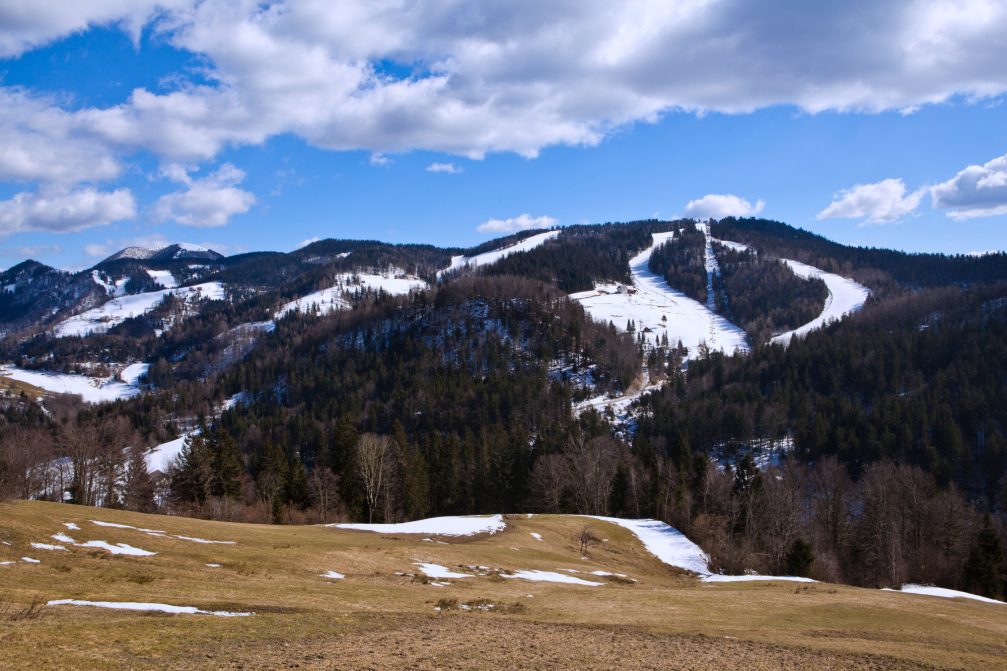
point(372, 451)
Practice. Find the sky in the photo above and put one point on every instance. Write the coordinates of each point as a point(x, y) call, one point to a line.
point(249, 125)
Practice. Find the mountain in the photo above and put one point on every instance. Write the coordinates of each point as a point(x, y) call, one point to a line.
point(714, 375)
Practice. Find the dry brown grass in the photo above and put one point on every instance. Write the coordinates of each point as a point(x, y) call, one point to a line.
point(379, 620)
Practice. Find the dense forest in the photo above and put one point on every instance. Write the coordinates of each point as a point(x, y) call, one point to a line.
point(881, 440)
point(762, 295)
point(682, 262)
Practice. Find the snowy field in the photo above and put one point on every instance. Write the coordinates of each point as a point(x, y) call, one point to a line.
point(845, 296)
point(118, 310)
point(91, 389)
point(486, 258)
point(436, 526)
point(661, 309)
point(331, 299)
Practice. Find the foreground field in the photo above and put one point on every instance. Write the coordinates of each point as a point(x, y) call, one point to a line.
point(384, 613)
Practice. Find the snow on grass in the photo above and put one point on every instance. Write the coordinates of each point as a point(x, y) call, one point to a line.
point(29, 560)
point(63, 538)
point(162, 534)
point(716, 577)
point(71, 526)
point(439, 572)
point(118, 310)
point(147, 607)
point(487, 258)
point(90, 389)
point(203, 541)
point(214, 565)
point(661, 309)
point(666, 543)
point(550, 576)
point(929, 590)
point(6, 563)
point(163, 277)
point(845, 296)
point(117, 549)
point(332, 575)
point(48, 546)
point(159, 457)
point(437, 526)
point(536, 536)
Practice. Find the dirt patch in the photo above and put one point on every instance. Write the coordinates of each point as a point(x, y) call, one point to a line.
point(458, 640)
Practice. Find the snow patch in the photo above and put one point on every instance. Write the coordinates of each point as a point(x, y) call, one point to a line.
point(536, 536)
point(147, 607)
point(666, 543)
point(29, 560)
point(715, 577)
point(439, 572)
point(550, 576)
point(929, 590)
point(437, 526)
point(48, 546)
point(117, 549)
point(332, 575)
point(163, 277)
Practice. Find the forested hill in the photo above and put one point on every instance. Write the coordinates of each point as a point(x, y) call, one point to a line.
point(490, 388)
point(874, 267)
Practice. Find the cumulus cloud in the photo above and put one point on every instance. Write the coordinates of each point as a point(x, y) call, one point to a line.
point(517, 79)
point(205, 203)
point(41, 143)
point(449, 168)
point(522, 222)
point(31, 24)
point(976, 191)
point(718, 206)
point(62, 212)
point(879, 203)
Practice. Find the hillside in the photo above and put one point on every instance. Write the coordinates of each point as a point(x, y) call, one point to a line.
point(757, 387)
point(321, 597)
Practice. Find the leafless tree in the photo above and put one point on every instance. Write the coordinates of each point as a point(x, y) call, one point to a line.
point(324, 489)
point(593, 463)
point(549, 477)
point(372, 451)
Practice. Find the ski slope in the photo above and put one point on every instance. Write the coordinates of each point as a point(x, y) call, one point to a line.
point(118, 310)
point(487, 258)
point(657, 309)
point(845, 297)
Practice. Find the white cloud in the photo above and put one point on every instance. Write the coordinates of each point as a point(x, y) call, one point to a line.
point(522, 222)
point(31, 24)
point(449, 168)
point(41, 143)
point(205, 203)
point(380, 160)
point(879, 203)
point(720, 205)
point(517, 79)
point(304, 243)
point(976, 191)
point(64, 211)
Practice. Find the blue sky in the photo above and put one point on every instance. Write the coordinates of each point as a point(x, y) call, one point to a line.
point(249, 126)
